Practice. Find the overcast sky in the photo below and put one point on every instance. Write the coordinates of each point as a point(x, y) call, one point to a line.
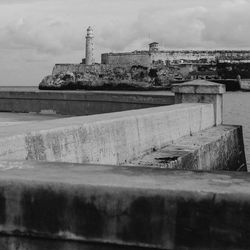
point(36, 34)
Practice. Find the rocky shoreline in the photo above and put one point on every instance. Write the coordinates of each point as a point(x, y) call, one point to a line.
point(97, 78)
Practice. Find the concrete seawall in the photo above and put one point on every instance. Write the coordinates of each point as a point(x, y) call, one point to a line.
point(80, 102)
point(127, 206)
point(48, 201)
point(113, 138)
point(217, 148)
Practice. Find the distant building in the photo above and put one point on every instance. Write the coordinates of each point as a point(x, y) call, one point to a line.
point(165, 65)
point(153, 47)
point(205, 75)
point(168, 57)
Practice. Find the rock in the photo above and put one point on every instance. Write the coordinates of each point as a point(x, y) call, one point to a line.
point(47, 82)
point(100, 77)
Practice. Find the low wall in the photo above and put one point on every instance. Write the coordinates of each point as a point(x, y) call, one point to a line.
point(245, 84)
point(80, 102)
point(216, 148)
point(113, 138)
point(152, 208)
point(127, 60)
point(77, 67)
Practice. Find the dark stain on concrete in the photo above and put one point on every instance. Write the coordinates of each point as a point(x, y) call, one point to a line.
point(35, 147)
point(55, 146)
point(2, 207)
point(145, 222)
point(92, 223)
point(231, 224)
point(193, 223)
point(213, 223)
point(167, 159)
point(43, 210)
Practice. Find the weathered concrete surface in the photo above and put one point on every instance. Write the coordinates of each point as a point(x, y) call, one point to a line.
point(217, 148)
point(13, 118)
point(199, 87)
point(32, 243)
point(80, 102)
point(201, 91)
point(130, 206)
point(113, 138)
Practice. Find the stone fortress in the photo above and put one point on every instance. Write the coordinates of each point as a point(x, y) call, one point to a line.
point(168, 57)
point(149, 69)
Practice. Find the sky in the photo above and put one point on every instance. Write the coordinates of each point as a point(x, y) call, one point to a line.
point(36, 34)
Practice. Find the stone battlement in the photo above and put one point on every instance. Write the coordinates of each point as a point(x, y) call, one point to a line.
point(146, 58)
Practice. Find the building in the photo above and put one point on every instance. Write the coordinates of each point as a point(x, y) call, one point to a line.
point(154, 54)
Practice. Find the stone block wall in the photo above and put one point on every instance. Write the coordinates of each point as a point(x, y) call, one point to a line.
point(145, 58)
point(81, 68)
point(127, 60)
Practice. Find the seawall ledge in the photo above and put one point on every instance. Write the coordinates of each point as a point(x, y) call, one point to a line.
point(127, 206)
point(199, 87)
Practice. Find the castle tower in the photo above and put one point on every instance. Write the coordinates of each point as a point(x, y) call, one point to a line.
point(89, 47)
point(153, 47)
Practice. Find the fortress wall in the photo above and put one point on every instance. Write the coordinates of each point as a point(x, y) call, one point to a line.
point(127, 59)
point(145, 59)
point(196, 54)
point(181, 55)
point(105, 58)
point(232, 54)
point(58, 68)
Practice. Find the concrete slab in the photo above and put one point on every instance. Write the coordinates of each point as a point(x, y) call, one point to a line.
point(217, 148)
point(26, 117)
point(22, 119)
point(146, 207)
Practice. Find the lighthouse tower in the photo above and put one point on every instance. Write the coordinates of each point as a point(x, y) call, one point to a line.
point(89, 47)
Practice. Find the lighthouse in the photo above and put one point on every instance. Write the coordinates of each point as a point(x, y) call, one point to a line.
point(89, 47)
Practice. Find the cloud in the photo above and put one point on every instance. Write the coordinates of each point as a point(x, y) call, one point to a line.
point(213, 25)
point(228, 25)
point(45, 37)
point(38, 33)
point(178, 29)
point(197, 24)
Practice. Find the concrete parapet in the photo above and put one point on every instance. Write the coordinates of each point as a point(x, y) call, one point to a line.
point(202, 92)
point(147, 207)
point(217, 148)
point(80, 102)
point(113, 138)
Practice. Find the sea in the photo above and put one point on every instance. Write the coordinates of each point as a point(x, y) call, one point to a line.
point(236, 111)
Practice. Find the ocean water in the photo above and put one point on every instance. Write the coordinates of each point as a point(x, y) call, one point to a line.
point(237, 112)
